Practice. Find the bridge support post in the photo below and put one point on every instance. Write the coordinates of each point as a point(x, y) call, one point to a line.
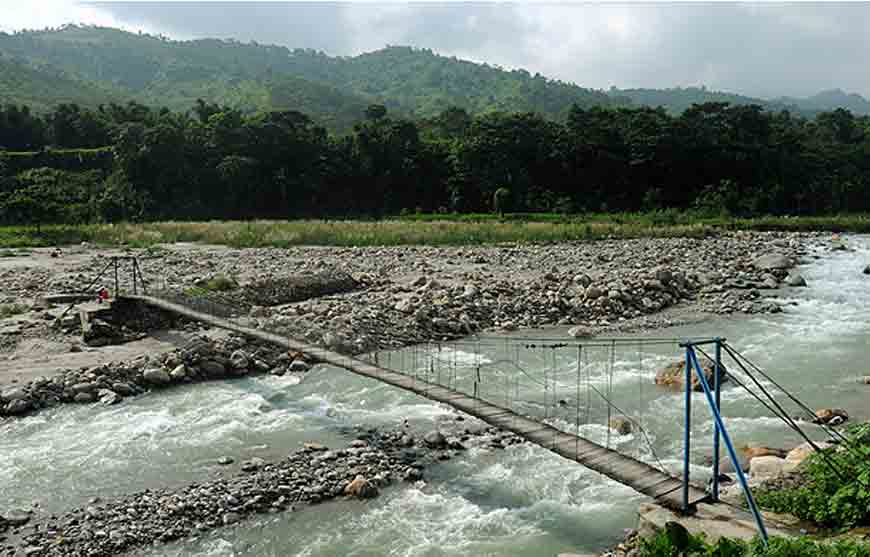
point(717, 389)
point(750, 500)
point(687, 431)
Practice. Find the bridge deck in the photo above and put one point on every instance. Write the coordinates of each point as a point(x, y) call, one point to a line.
point(621, 468)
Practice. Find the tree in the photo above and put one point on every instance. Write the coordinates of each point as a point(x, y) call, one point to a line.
point(501, 200)
point(376, 112)
point(37, 198)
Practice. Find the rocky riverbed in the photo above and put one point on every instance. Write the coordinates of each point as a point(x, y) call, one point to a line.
point(311, 475)
point(390, 297)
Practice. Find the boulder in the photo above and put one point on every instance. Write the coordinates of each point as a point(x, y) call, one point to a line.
point(15, 393)
point(212, 368)
point(108, 397)
point(754, 452)
point(360, 488)
point(179, 373)
point(673, 375)
point(772, 261)
point(621, 426)
point(831, 416)
point(83, 388)
point(156, 376)
point(299, 366)
point(800, 453)
point(727, 467)
point(766, 467)
point(435, 439)
point(123, 389)
point(593, 292)
point(84, 398)
point(239, 361)
point(253, 464)
point(16, 517)
point(796, 280)
point(866, 380)
point(867, 270)
point(225, 460)
point(18, 406)
point(580, 332)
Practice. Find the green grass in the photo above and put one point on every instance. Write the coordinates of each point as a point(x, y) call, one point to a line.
point(9, 310)
point(436, 230)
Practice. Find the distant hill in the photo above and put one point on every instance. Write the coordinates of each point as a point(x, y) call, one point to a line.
point(409, 81)
point(678, 99)
point(834, 98)
point(91, 65)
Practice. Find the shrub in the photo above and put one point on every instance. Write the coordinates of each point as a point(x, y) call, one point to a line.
point(824, 496)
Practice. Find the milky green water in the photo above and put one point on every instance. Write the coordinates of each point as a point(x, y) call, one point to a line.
point(522, 501)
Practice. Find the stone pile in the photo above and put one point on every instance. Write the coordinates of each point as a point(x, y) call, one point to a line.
point(200, 359)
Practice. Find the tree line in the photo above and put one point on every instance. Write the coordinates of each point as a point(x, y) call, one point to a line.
point(214, 162)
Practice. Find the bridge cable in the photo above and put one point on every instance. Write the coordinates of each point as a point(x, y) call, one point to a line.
point(778, 412)
point(639, 427)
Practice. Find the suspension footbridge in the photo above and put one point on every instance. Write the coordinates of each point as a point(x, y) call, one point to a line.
point(552, 409)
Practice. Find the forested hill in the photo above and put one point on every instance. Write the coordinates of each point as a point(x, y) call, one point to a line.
point(410, 82)
point(93, 65)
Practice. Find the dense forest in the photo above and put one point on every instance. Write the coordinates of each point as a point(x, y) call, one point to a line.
point(90, 66)
point(127, 162)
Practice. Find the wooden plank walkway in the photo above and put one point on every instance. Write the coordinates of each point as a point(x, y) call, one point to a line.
point(628, 471)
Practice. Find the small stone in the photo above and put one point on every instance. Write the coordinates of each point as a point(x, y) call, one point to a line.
point(867, 270)
point(796, 280)
point(314, 447)
point(225, 460)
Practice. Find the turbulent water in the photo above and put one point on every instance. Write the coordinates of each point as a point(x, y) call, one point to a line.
point(521, 501)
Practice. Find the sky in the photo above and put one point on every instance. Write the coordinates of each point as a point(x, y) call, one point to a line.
point(761, 49)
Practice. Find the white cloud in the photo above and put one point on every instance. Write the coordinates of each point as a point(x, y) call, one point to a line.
point(39, 14)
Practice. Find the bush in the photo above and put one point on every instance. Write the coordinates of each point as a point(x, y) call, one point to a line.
point(667, 544)
point(824, 496)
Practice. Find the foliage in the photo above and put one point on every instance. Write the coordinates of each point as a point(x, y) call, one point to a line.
point(46, 195)
point(9, 310)
point(220, 283)
point(834, 496)
point(664, 544)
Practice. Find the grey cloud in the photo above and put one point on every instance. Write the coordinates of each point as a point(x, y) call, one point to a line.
point(756, 49)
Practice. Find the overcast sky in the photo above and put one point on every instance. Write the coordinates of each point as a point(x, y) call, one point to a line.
point(761, 49)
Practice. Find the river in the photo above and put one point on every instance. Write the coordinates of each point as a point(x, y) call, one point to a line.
point(522, 501)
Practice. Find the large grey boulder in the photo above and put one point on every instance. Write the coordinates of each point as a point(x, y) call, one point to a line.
point(156, 376)
point(796, 280)
point(773, 261)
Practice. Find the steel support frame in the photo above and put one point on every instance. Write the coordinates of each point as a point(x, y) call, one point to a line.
point(713, 397)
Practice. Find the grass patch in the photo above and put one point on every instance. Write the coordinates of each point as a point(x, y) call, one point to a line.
point(435, 230)
point(9, 310)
